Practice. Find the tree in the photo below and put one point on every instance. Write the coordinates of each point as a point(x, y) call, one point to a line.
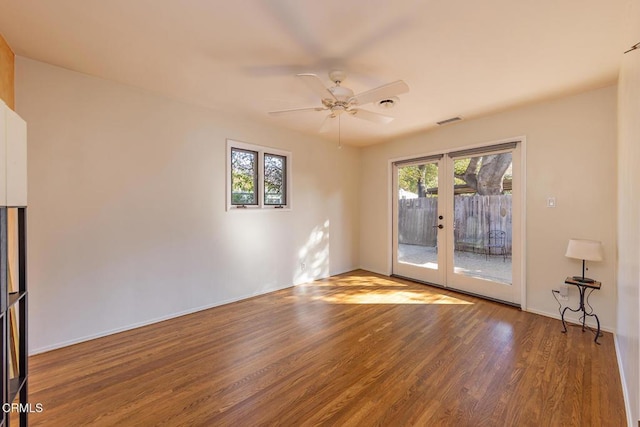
point(418, 178)
point(484, 174)
point(274, 178)
point(243, 176)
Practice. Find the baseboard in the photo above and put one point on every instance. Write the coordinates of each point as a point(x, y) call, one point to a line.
point(33, 352)
point(570, 319)
point(627, 403)
point(56, 346)
point(373, 270)
point(343, 271)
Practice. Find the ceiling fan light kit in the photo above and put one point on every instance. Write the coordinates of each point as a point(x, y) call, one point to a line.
point(340, 99)
point(337, 76)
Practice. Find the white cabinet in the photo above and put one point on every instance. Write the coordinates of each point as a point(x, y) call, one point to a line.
point(13, 158)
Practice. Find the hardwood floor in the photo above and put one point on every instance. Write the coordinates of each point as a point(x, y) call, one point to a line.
point(355, 349)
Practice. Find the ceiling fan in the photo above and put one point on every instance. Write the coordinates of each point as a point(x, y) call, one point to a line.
point(340, 99)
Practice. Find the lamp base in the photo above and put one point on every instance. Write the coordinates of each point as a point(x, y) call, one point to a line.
point(583, 279)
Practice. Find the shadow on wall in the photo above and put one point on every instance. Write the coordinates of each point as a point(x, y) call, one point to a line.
point(313, 257)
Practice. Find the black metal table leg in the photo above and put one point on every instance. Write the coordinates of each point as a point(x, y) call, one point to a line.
point(598, 331)
point(564, 325)
point(581, 308)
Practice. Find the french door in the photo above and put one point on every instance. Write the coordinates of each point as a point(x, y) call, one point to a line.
point(457, 220)
point(419, 220)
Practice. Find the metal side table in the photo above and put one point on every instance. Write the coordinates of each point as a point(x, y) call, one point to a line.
point(582, 288)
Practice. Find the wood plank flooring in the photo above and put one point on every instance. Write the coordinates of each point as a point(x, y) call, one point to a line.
point(355, 349)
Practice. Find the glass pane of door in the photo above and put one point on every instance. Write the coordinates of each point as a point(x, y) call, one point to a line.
point(417, 222)
point(483, 217)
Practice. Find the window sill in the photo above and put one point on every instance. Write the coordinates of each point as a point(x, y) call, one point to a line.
point(258, 208)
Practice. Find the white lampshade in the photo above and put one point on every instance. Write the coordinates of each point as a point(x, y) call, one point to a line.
point(588, 250)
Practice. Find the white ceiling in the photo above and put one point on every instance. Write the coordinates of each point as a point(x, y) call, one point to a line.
point(459, 57)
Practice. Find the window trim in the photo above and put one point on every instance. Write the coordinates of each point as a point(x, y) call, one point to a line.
point(260, 192)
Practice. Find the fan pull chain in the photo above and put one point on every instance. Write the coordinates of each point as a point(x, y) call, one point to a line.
point(339, 133)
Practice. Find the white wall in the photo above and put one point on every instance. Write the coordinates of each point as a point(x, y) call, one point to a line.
point(570, 154)
point(127, 220)
point(628, 333)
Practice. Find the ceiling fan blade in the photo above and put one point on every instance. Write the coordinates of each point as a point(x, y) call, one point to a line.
point(372, 117)
point(296, 110)
point(316, 85)
point(379, 93)
point(326, 124)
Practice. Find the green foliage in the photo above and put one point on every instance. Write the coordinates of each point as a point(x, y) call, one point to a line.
point(459, 167)
point(409, 177)
point(243, 198)
point(242, 182)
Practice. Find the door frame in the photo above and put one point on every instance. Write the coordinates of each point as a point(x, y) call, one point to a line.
point(521, 247)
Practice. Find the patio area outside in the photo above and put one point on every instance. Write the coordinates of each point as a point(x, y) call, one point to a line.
point(493, 267)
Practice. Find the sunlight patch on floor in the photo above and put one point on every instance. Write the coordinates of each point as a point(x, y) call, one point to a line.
point(360, 281)
point(389, 297)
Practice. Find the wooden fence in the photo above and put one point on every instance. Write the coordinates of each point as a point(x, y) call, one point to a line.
point(417, 221)
point(474, 217)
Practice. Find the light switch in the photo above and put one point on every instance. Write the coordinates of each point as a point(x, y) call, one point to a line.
point(551, 202)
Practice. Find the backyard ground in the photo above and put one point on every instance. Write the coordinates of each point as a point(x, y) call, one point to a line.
point(492, 267)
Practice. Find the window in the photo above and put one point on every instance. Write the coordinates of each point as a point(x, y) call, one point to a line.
point(258, 177)
point(275, 179)
point(244, 177)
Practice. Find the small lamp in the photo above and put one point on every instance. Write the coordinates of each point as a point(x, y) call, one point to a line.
point(586, 250)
